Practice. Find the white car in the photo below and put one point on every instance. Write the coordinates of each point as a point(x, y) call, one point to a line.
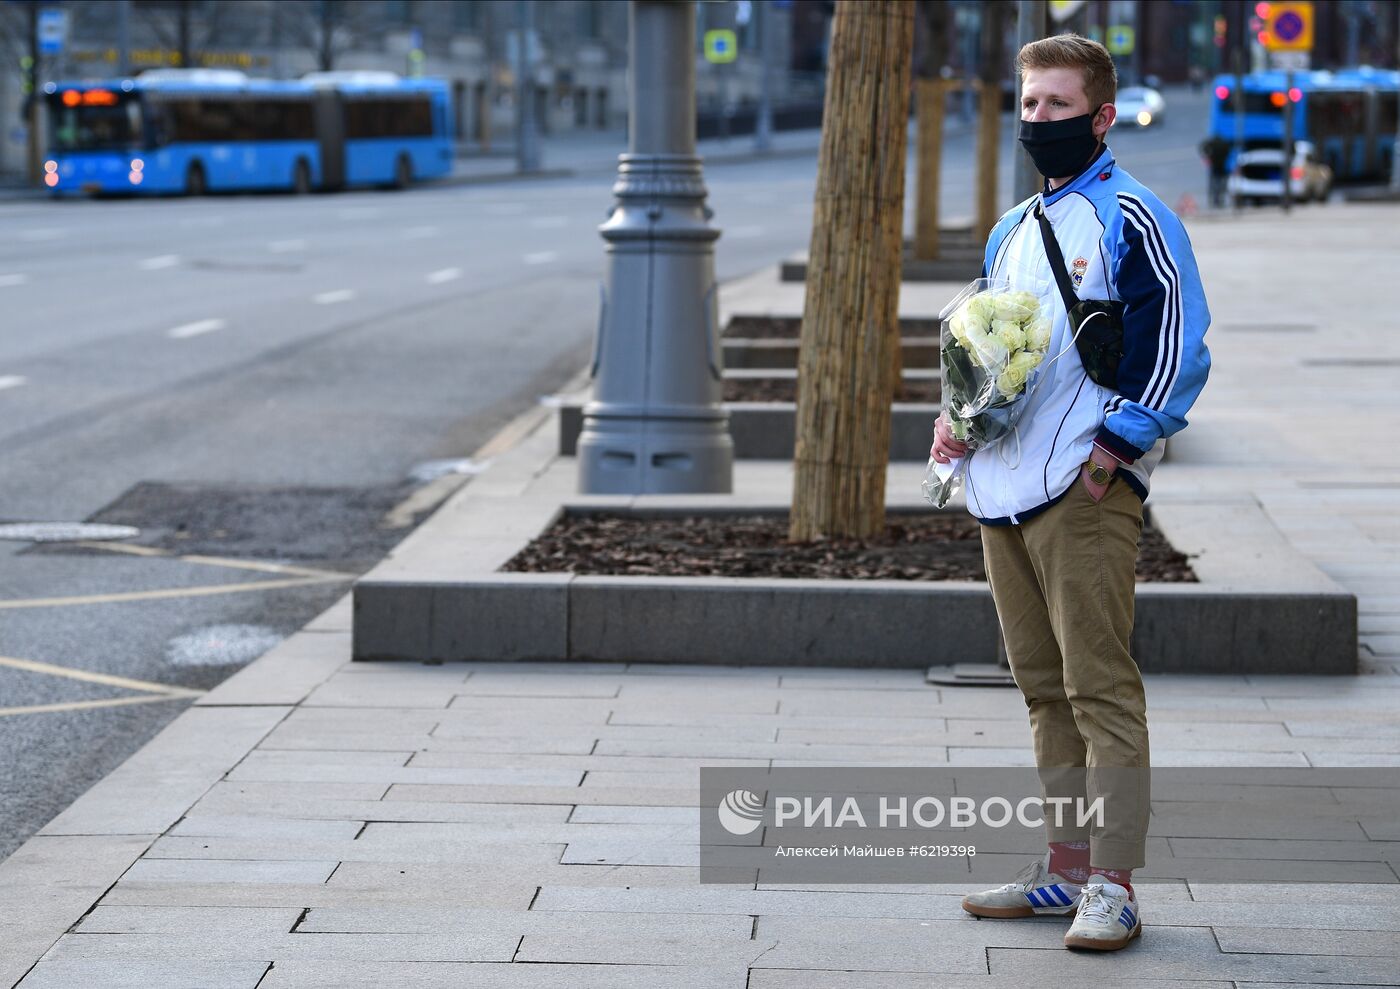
point(1260, 176)
point(1140, 105)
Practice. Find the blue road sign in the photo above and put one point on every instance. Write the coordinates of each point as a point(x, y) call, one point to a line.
point(52, 30)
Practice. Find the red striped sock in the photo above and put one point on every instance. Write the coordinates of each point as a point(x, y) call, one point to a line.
point(1070, 859)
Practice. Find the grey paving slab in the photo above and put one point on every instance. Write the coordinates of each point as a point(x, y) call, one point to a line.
point(264, 770)
point(764, 978)
point(275, 852)
point(1373, 891)
point(216, 871)
point(929, 956)
point(339, 617)
point(613, 814)
point(1286, 848)
point(313, 740)
point(490, 975)
point(287, 673)
point(215, 921)
point(151, 790)
point(395, 810)
point(484, 891)
point(712, 750)
point(1189, 953)
point(1334, 939)
point(257, 826)
point(427, 920)
point(717, 899)
point(413, 876)
point(48, 884)
point(454, 946)
point(382, 834)
point(899, 936)
point(144, 973)
point(430, 757)
point(674, 796)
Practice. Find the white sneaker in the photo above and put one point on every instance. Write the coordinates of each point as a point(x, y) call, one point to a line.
point(1108, 917)
point(1035, 890)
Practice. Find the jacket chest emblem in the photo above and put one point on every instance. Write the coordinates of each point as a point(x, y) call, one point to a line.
point(1079, 266)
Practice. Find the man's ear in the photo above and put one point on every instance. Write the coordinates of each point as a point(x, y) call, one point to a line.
point(1103, 120)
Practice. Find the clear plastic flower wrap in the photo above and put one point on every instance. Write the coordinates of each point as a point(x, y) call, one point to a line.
point(994, 341)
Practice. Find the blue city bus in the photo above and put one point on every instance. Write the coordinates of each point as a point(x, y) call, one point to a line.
point(196, 131)
point(1349, 116)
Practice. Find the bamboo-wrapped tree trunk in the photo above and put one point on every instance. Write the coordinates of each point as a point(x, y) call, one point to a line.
point(846, 372)
point(989, 116)
point(930, 98)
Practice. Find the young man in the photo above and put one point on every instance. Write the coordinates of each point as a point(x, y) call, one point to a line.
point(1061, 502)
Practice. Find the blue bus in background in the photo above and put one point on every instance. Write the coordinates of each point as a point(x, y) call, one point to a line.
point(1349, 116)
point(194, 131)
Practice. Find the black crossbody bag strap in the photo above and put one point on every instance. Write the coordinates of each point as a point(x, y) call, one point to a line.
point(1097, 325)
point(1057, 260)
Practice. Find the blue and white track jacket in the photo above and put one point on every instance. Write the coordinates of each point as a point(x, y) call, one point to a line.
point(1119, 242)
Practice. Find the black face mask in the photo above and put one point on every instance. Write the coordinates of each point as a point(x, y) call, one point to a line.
point(1060, 148)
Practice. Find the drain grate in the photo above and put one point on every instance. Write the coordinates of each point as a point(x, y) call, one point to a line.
point(65, 532)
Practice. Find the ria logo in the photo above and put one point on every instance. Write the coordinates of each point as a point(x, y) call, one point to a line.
point(741, 811)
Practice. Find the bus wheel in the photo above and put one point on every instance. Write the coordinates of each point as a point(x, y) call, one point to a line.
point(301, 178)
point(403, 172)
point(194, 181)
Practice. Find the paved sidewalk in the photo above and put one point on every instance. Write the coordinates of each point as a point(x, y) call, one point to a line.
point(318, 823)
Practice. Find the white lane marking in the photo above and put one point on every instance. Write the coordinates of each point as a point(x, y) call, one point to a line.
point(546, 222)
point(6, 281)
point(541, 257)
point(444, 275)
point(44, 233)
point(418, 233)
point(741, 233)
point(195, 329)
point(11, 381)
point(161, 261)
point(283, 246)
point(331, 298)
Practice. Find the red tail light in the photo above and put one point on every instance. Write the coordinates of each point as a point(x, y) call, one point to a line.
point(1297, 172)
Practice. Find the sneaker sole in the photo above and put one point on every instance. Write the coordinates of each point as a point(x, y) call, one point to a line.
point(1095, 944)
point(1010, 913)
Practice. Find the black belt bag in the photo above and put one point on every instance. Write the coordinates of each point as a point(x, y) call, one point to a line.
point(1097, 324)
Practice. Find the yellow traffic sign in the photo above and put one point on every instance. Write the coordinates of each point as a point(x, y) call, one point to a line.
point(1288, 27)
point(721, 46)
point(1121, 38)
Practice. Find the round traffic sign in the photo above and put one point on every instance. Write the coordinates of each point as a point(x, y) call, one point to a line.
point(1288, 26)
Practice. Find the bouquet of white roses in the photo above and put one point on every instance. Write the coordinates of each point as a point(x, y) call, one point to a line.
point(993, 341)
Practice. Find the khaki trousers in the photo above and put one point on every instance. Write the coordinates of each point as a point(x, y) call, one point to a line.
point(1063, 582)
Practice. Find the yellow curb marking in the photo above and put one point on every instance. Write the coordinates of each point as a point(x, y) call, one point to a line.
point(87, 705)
point(217, 561)
point(174, 592)
point(33, 666)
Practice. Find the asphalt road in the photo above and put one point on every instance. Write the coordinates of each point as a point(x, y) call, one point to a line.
point(261, 379)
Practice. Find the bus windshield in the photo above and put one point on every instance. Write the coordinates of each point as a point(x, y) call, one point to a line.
point(95, 120)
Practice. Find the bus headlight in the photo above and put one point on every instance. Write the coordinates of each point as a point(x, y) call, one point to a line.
point(134, 177)
point(1144, 118)
point(50, 179)
point(50, 167)
point(137, 164)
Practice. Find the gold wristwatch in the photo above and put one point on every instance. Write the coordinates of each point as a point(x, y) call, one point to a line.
point(1098, 473)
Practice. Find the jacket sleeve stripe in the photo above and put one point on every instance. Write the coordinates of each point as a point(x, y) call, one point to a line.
point(1169, 343)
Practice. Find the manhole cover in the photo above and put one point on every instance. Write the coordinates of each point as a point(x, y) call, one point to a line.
point(65, 532)
point(222, 645)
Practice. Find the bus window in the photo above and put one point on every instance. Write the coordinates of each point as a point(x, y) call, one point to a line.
point(108, 126)
point(1254, 102)
point(388, 117)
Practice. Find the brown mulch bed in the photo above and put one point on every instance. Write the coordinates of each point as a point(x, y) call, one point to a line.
point(927, 546)
point(790, 327)
point(927, 390)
